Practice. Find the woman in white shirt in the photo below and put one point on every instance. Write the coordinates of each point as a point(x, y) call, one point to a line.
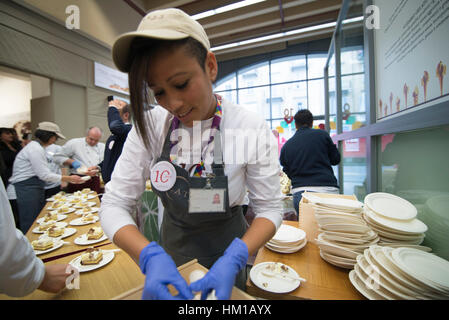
point(170, 55)
point(31, 171)
point(21, 272)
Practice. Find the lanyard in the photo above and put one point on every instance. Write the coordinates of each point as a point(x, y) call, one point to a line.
point(200, 167)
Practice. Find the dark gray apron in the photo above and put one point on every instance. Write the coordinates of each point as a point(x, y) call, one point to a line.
point(205, 235)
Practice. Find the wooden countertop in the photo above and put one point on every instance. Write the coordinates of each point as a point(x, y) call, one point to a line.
point(120, 275)
point(324, 281)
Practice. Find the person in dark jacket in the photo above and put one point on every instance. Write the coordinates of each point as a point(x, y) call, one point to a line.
point(119, 125)
point(307, 159)
point(9, 148)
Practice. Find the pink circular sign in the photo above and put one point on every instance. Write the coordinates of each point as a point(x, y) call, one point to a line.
point(163, 176)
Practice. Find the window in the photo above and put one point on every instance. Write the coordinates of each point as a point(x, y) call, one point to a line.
point(280, 87)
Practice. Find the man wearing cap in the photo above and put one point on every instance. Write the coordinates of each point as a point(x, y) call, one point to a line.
point(31, 172)
point(83, 153)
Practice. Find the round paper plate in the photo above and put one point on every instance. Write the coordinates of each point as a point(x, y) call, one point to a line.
point(70, 210)
point(59, 218)
point(57, 243)
point(58, 224)
point(82, 240)
point(423, 266)
point(398, 283)
point(287, 233)
point(412, 226)
point(361, 287)
point(67, 233)
point(80, 222)
point(273, 284)
point(390, 206)
point(108, 256)
point(287, 249)
point(376, 278)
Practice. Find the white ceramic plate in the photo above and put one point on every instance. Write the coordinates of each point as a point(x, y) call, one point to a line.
point(329, 258)
point(401, 245)
point(390, 206)
point(346, 227)
point(59, 218)
point(361, 287)
point(67, 233)
point(82, 240)
point(285, 249)
point(57, 243)
point(331, 237)
point(89, 203)
point(376, 278)
point(287, 233)
point(80, 222)
point(273, 284)
point(336, 250)
point(108, 256)
point(369, 284)
point(92, 210)
point(423, 266)
point(325, 220)
point(69, 211)
point(413, 226)
point(394, 280)
point(58, 224)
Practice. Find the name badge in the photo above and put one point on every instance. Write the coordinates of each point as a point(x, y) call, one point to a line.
point(207, 200)
point(163, 176)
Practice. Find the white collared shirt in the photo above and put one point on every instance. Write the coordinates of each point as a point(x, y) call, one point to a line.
point(255, 169)
point(32, 161)
point(21, 272)
point(78, 149)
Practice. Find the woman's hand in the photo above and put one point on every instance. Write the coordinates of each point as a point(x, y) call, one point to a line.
point(55, 277)
point(221, 276)
point(160, 271)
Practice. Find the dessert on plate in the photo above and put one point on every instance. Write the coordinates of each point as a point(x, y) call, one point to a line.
point(46, 225)
point(94, 233)
point(42, 244)
point(55, 231)
point(88, 217)
point(91, 256)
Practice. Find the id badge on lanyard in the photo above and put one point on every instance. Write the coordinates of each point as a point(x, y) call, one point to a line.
point(210, 194)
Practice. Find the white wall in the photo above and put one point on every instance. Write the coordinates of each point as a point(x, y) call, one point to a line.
point(15, 93)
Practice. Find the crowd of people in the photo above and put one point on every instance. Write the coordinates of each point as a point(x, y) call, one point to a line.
point(202, 194)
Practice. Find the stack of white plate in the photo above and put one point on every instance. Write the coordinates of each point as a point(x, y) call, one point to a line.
point(343, 232)
point(287, 239)
point(394, 219)
point(400, 273)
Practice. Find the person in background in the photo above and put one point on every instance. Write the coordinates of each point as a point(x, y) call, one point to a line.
point(170, 56)
point(10, 146)
point(52, 188)
point(31, 171)
point(119, 125)
point(307, 159)
point(83, 153)
point(21, 272)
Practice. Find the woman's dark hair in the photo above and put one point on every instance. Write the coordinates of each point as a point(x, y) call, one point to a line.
point(303, 118)
point(44, 135)
point(142, 51)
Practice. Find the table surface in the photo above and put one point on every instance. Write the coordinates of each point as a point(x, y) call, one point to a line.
point(120, 275)
point(324, 281)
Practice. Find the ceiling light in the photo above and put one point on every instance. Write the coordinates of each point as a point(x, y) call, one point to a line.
point(229, 7)
point(286, 33)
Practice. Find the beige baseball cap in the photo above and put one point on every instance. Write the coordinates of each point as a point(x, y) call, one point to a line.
point(52, 127)
point(165, 24)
